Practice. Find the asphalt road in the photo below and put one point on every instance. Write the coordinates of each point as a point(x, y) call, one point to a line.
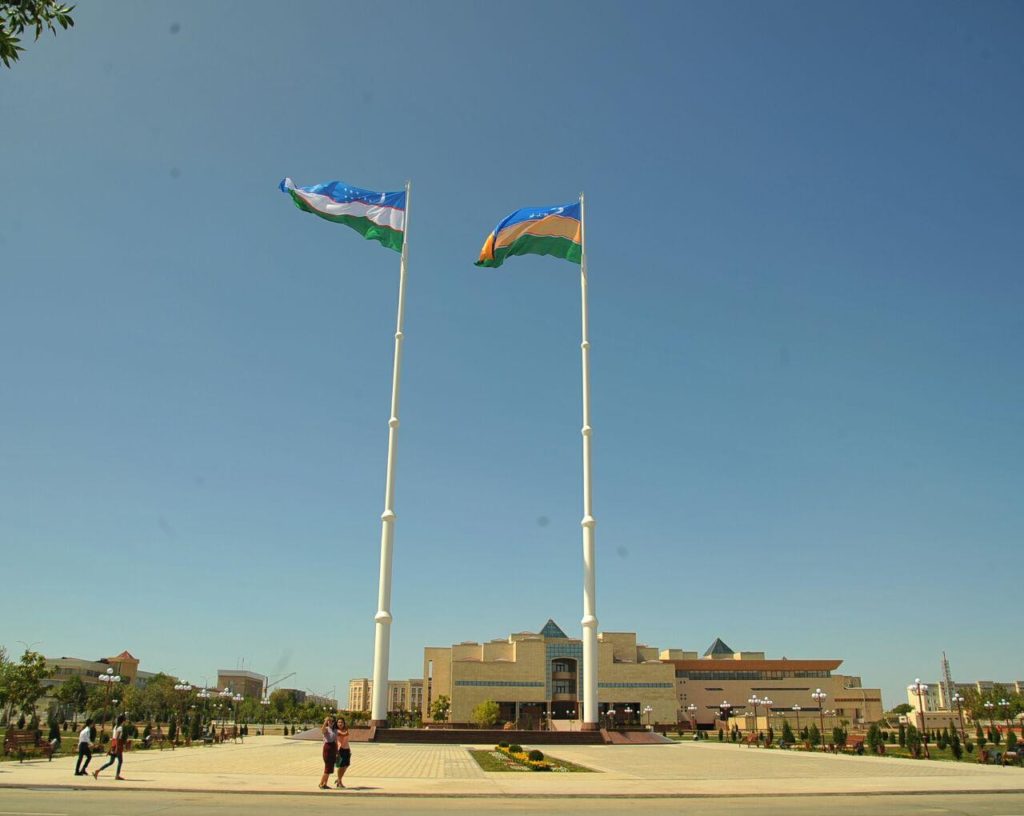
point(29, 802)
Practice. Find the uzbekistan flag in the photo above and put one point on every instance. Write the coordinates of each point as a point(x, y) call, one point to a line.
point(375, 216)
point(554, 231)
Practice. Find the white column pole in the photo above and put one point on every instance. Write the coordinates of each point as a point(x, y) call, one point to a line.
point(382, 620)
point(590, 713)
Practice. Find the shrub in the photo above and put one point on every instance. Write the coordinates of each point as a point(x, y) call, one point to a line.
point(503, 745)
point(1011, 741)
point(536, 756)
point(787, 733)
point(902, 739)
point(954, 745)
point(970, 747)
point(515, 749)
point(721, 735)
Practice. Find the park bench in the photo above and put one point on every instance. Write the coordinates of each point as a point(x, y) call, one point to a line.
point(1011, 758)
point(750, 739)
point(22, 742)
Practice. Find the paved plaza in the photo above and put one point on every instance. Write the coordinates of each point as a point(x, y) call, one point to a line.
point(278, 765)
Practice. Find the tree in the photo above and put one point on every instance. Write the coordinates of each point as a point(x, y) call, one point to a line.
point(902, 708)
point(17, 15)
point(902, 738)
point(486, 714)
point(72, 695)
point(787, 733)
point(874, 739)
point(24, 681)
point(814, 735)
point(954, 745)
point(440, 708)
point(914, 741)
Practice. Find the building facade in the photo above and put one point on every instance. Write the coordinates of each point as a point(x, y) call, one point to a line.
point(536, 680)
point(935, 698)
point(403, 695)
point(237, 681)
point(722, 675)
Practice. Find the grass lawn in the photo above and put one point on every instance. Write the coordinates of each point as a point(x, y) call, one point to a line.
point(497, 762)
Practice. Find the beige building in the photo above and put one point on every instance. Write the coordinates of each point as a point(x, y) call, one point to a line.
point(403, 695)
point(722, 675)
point(935, 697)
point(237, 681)
point(536, 678)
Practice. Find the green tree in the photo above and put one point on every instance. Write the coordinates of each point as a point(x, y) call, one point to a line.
point(24, 681)
point(902, 708)
point(914, 741)
point(874, 740)
point(486, 714)
point(902, 737)
point(814, 735)
point(954, 745)
point(441, 708)
point(1011, 741)
point(787, 733)
point(73, 695)
point(40, 15)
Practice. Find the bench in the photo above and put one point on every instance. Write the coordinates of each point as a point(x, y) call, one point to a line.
point(1011, 758)
point(750, 739)
point(22, 742)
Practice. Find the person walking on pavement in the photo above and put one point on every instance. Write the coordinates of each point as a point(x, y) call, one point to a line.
point(85, 738)
point(344, 752)
point(116, 750)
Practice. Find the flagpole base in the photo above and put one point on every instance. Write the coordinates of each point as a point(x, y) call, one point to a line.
point(590, 727)
point(378, 723)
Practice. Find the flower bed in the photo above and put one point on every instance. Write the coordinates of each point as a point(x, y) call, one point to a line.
point(518, 755)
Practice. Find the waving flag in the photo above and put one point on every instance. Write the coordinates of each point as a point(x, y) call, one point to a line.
point(375, 216)
point(554, 231)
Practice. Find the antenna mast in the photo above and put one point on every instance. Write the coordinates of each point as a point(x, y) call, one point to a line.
point(948, 689)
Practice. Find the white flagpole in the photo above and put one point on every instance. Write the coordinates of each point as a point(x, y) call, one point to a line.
point(382, 620)
point(590, 705)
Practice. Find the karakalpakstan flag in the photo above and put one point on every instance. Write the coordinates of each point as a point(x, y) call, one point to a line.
point(554, 231)
point(375, 216)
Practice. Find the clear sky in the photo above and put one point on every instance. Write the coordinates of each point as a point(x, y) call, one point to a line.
point(805, 243)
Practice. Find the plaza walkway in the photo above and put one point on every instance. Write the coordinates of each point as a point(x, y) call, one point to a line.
point(277, 765)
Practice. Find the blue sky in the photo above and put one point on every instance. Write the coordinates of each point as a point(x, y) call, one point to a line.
point(804, 239)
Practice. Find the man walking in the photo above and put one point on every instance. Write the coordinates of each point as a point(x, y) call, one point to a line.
point(85, 738)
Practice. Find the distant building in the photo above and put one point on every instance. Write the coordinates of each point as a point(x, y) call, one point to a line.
point(237, 681)
point(536, 679)
point(124, 665)
point(934, 699)
point(403, 695)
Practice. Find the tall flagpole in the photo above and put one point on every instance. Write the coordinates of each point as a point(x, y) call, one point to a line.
point(590, 713)
point(382, 620)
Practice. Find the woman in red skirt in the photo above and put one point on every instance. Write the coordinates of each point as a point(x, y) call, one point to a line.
point(330, 733)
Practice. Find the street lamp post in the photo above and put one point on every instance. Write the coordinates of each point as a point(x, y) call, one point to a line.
point(754, 701)
point(796, 710)
point(205, 696)
point(263, 704)
point(237, 698)
point(1005, 705)
point(185, 689)
point(767, 717)
point(959, 700)
point(629, 715)
point(989, 706)
point(920, 689)
point(106, 680)
point(611, 717)
point(693, 716)
point(647, 712)
point(724, 710)
point(819, 697)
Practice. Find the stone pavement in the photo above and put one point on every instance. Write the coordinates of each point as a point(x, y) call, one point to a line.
point(276, 765)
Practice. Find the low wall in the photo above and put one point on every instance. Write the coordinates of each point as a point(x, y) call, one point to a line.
point(482, 736)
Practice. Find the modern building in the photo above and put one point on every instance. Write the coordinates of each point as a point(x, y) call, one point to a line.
point(124, 665)
point(935, 697)
point(723, 675)
point(403, 695)
point(535, 679)
point(238, 681)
